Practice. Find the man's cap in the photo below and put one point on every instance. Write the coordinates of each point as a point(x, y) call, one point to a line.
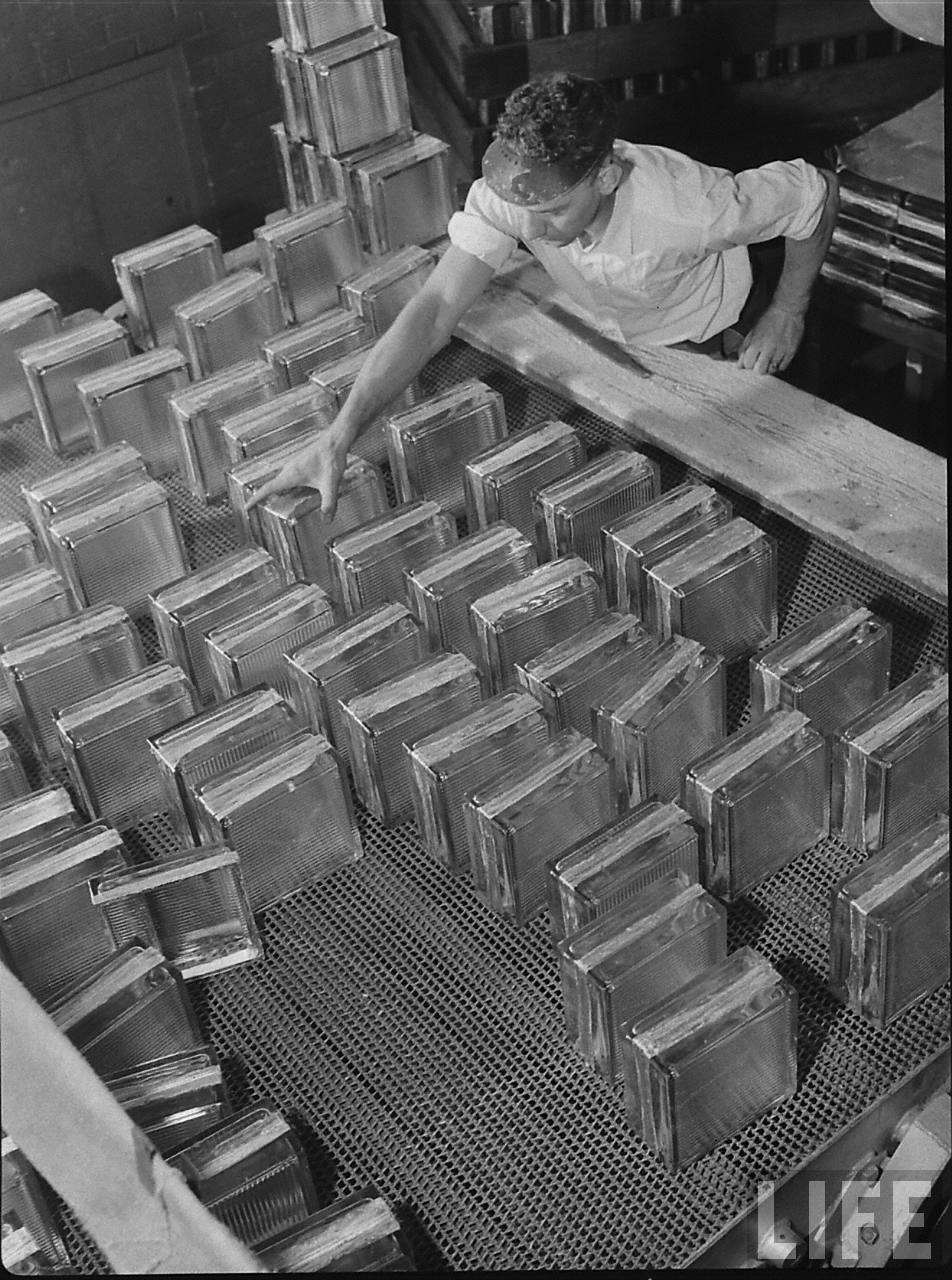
point(520, 180)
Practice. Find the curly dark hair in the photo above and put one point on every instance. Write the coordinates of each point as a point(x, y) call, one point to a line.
point(558, 117)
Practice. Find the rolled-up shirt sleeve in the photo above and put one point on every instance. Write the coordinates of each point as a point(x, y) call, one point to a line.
point(783, 198)
point(482, 228)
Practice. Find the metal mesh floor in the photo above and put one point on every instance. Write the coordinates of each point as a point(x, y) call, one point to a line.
point(415, 1040)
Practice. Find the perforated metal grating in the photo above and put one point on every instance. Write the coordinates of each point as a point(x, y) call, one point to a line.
point(413, 1039)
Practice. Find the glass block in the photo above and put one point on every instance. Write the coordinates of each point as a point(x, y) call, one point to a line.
point(369, 562)
point(32, 1244)
point(129, 401)
point(79, 483)
point(244, 479)
point(306, 253)
point(132, 1009)
point(570, 512)
point(33, 820)
point(404, 194)
point(357, 92)
point(618, 863)
point(201, 748)
point(889, 926)
point(185, 611)
point(673, 710)
point(285, 63)
point(28, 318)
point(52, 368)
point(633, 957)
point(248, 650)
point(449, 765)
point(721, 590)
point(104, 739)
point(356, 1233)
point(399, 711)
point(891, 763)
point(440, 591)
point(250, 1172)
point(339, 377)
point(197, 413)
point(383, 288)
point(322, 180)
point(13, 781)
point(297, 534)
point(518, 821)
point(296, 352)
point(296, 415)
point(637, 541)
point(121, 548)
point(18, 548)
point(290, 162)
point(830, 668)
point(499, 482)
point(519, 621)
point(761, 798)
point(154, 277)
point(369, 648)
point(309, 24)
point(429, 445)
point(569, 678)
point(30, 600)
point(226, 322)
point(196, 903)
point(287, 811)
point(53, 933)
point(174, 1098)
point(68, 661)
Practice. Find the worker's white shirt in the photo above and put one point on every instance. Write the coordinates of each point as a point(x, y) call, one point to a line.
point(671, 265)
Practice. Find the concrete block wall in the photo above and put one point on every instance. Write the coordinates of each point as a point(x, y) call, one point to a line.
point(44, 43)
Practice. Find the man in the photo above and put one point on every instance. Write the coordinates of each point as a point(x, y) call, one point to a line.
point(651, 243)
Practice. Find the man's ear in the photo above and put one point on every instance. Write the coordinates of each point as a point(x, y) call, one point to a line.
point(609, 176)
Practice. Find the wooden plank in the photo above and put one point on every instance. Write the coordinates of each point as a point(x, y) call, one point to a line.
point(836, 475)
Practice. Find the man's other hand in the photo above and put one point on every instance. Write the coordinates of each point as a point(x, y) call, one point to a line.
point(772, 342)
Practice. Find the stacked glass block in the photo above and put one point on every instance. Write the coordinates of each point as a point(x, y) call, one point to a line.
point(19, 549)
point(381, 290)
point(441, 590)
point(29, 821)
point(227, 322)
point(296, 416)
point(32, 1240)
point(13, 780)
point(61, 664)
point(25, 319)
point(53, 366)
point(287, 811)
point(297, 534)
point(517, 622)
point(761, 798)
point(338, 377)
point(129, 401)
point(635, 542)
point(500, 481)
point(517, 821)
point(831, 668)
point(294, 353)
point(619, 863)
point(154, 277)
point(721, 590)
point(707, 1061)
point(670, 709)
point(889, 926)
point(186, 610)
point(306, 254)
point(174, 1098)
point(369, 562)
point(104, 740)
point(250, 1172)
point(356, 1233)
point(891, 763)
point(372, 646)
point(429, 445)
point(204, 746)
point(197, 413)
point(570, 512)
point(30, 600)
point(449, 765)
point(402, 709)
point(634, 956)
point(401, 194)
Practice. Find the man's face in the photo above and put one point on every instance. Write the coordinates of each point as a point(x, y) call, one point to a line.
point(562, 220)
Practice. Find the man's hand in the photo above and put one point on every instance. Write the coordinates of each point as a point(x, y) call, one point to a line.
point(772, 342)
point(319, 466)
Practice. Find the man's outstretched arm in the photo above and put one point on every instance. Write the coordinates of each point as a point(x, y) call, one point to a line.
point(424, 325)
point(775, 338)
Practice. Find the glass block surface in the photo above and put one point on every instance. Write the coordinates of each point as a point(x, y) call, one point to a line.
point(13, 780)
point(404, 194)
point(382, 289)
point(174, 1098)
point(154, 277)
point(309, 24)
point(295, 353)
point(18, 548)
point(32, 1240)
point(306, 253)
point(25, 319)
point(226, 323)
point(290, 162)
point(357, 92)
point(297, 415)
point(32, 599)
point(356, 1233)
point(32, 820)
point(339, 375)
point(129, 401)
